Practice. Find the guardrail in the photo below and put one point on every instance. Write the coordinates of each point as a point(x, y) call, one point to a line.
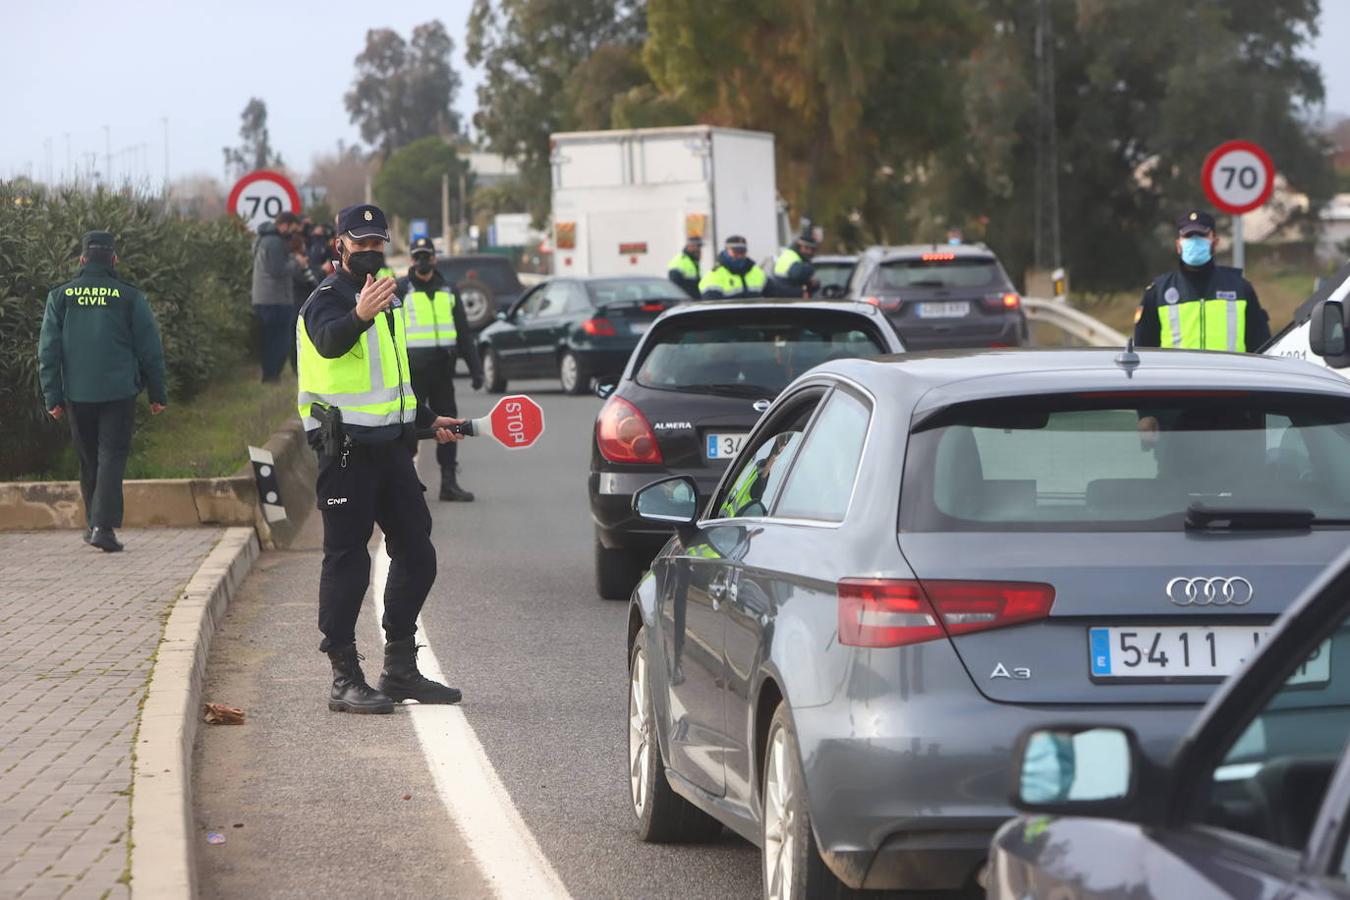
point(1073, 322)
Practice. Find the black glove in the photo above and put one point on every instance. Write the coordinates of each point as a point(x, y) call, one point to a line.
point(476, 381)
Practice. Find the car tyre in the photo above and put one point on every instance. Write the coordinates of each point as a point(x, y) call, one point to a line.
point(493, 382)
point(791, 863)
point(663, 816)
point(480, 306)
point(576, 380)
point(616, 572)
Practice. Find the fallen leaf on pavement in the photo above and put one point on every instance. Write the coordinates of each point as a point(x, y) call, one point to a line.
point(220, 714)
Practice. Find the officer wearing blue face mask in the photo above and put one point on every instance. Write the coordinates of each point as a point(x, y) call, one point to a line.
point(1200, 306)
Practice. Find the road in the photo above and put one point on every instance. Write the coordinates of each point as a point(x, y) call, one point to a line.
point(515, 622)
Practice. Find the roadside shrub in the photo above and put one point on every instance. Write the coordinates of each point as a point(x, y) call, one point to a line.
point(195, 274)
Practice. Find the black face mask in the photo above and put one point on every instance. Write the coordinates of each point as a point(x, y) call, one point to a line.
point(423, 266)
point(365, 262)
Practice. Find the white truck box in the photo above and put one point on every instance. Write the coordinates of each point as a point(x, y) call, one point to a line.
point(624, 201)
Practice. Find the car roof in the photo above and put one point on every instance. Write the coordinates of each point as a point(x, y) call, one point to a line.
point(916, 251)
point(845, 259)
point(939, 378)
point(760, 303)
point(476, 258)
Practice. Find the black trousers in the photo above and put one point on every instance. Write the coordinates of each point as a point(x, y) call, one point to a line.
point(378, 484)
point(276, 331)
point(433, 381)
point(102, 434)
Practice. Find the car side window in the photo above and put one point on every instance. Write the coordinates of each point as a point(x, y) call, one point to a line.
point(554, 299)
point(759, 470)
point(576, 299)
point(530, 308)
point(820, 484)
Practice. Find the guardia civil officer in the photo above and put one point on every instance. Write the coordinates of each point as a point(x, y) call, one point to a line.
point(735, 274)
point(437, 330)
point(1200, 305)
point(98, 347)
point(793, 274)
point(683, 269)
point(354, 368)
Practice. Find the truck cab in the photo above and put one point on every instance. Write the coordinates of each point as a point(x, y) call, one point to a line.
point(1317, 333)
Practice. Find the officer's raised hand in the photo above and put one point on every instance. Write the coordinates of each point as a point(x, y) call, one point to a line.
point(375, 297)
point(444, 435)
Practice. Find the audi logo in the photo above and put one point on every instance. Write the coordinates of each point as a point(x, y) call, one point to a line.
point(1236, 591)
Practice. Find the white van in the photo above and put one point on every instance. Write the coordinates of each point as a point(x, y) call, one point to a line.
point(1317, 332)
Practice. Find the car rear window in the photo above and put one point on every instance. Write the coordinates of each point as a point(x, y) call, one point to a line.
point(749, 354)
point(603, 292)
point(833, 273)
point(1125, 463)
point(941, 271)
point(497, 274)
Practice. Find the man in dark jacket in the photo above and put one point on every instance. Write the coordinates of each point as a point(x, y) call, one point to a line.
point(99, 346)
point(735, 274)
point(275, 268)
point(684, 268)
point(793, 274)
point(437, 329)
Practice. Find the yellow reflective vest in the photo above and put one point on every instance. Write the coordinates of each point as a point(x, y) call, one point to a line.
point(721, 282)
point(430, 318)
point(370, 383)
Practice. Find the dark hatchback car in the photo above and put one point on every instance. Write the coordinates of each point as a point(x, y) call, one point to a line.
point(1253, 804)
point(575, 329)
point(691, 392)
point(486, 283)
point(942, 296)
point(913, 559)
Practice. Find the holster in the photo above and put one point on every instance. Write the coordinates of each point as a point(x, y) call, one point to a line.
point(333, 439)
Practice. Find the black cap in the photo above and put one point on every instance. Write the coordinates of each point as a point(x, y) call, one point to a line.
point(1195, 221)
point(694, 239)
point(423, 245)
point(99, 242)
point(736, 241)
point(363, 221)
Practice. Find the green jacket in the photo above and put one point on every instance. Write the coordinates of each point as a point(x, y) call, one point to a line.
point(99, 342)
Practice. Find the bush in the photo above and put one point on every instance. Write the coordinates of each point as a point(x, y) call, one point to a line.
point(195, 274)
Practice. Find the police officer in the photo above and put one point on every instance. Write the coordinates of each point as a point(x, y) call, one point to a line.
point(98, 346)
point(735, 275)
point(793, 274)
point(354, 365)
point(436, 329)
point(1200, 306)
point(684, 268)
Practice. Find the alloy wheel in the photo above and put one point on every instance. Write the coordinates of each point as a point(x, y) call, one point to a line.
point(778, 819)
point(568, 374)
point(639, 733)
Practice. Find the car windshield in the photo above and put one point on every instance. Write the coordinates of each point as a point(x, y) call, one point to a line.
point(1138, 462)
point(943, 270)
point(833, 273)
point(749, 354)
point(497, 274)
point(618, 289)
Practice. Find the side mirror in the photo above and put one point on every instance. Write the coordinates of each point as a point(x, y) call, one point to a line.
point(503, 315)
point(604, 388)
point(1326, 329)
point(673, 499)
point(1074, 770)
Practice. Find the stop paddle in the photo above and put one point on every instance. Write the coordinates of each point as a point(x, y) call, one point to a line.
point(516, 422)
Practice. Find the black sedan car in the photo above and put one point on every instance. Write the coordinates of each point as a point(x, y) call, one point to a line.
point(942, 296)
point(692, 390)
point(575, 329)
point(1254, 803)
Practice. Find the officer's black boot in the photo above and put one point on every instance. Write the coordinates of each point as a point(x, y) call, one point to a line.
point(450, 489)
point(105, 539)
point(350, 691)
point(402, 681)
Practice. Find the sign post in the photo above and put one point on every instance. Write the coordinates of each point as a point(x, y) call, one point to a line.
point(516, 422)
point(261, 196)
point(1238, 177)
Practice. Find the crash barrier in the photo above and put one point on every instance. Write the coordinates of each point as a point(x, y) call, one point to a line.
point(1073, 322)
point(180, 502)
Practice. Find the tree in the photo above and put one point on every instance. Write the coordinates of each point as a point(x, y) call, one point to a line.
point(256, 151)
point(529, 49)
point(404, 91)
point(409, 183)
point(342, 174)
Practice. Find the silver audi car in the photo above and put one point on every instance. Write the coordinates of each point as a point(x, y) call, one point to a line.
point(913, 558)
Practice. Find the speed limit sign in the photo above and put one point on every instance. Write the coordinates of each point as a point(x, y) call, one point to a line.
point(1238, 176)
point(261, 196)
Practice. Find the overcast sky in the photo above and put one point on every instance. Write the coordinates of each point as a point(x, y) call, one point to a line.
point(77, 65)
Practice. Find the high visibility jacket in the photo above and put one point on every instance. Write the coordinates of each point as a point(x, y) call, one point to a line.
point(430, 318)
point(370, 383)
point(746, 491)
point(683, 272)
point(1223, 314)
point(385, 272)
point(721, 282)
point(787, 258)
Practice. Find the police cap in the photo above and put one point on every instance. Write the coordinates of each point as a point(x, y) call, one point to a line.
point(736, 242)
point(98, 242)
point(1195, 221)
point(363, 221)
point(423, 245)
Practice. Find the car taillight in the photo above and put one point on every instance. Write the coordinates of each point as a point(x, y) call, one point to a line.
point(888, 304)
point(1006, 300)
point(875, 612)
point(598, 327)
point(653, 307)
point(624, 436)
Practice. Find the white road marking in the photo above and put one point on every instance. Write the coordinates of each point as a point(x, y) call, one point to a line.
point(468, 785)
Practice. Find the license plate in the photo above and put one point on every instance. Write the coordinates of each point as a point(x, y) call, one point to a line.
point(639, 327)
point(1175, 653)
point(951, 310)
point(723, 446)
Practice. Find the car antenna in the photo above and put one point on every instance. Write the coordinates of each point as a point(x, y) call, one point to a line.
point(1129, 360)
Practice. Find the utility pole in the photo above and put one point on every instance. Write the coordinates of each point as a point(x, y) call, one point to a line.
point(107, 155)
point(368, 193)
point(445, 213)
point(1047, 241)
point(463, 212)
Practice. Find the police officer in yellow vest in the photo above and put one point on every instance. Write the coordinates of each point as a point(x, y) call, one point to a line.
point(352, 349)
point(683, 270)
point(793, 274)
point(436, 330)
point(1200, 306)
point(735, 275)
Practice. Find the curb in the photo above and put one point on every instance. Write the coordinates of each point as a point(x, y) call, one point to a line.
point(162, 860)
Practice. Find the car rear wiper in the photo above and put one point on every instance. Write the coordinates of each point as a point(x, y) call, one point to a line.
point(1216, 518)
